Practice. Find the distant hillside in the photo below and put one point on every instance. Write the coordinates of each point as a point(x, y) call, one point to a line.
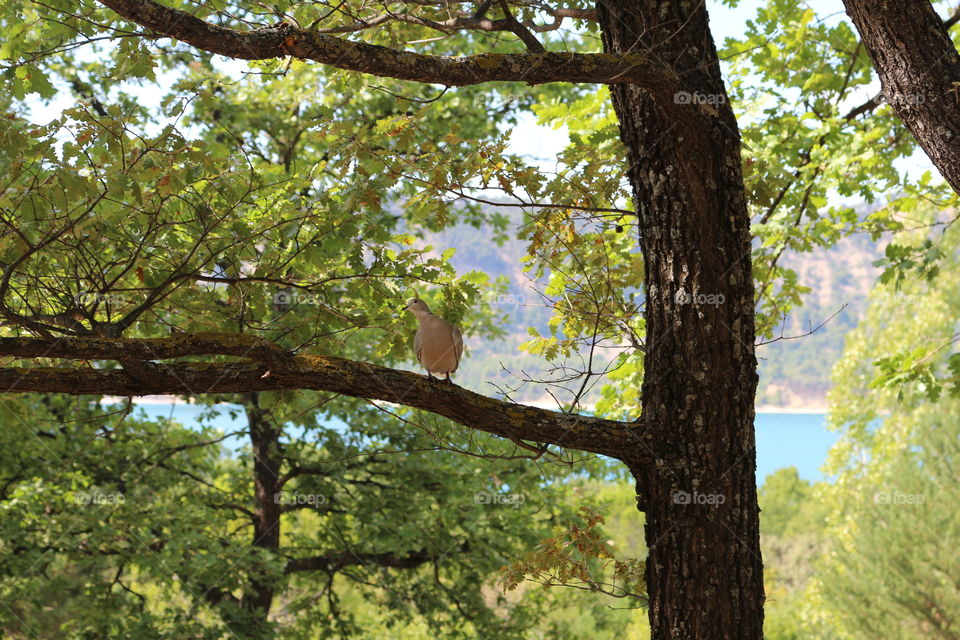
point(794, 373)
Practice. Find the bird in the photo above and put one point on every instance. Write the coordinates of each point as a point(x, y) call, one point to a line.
point(438, 344)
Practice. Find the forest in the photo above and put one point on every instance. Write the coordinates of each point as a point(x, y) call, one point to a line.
point(659, 228)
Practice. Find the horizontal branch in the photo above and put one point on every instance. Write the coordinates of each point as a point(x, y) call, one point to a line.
point(276, 370)
point(176, 346)
point(284, 39)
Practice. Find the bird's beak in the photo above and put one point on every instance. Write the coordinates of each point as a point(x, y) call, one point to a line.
point(403, 308)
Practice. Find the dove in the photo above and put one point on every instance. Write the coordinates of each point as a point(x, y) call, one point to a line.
point(438, 344)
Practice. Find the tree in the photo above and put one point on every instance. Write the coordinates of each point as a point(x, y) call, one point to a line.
point(791, 532)
point(141, 528)
point(690, 449)
point(919, 67)
point(683, 332)
point(893, 508)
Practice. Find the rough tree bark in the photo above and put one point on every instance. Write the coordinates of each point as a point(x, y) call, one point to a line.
point(919, 69)
point(704, 572)
point(267, 463)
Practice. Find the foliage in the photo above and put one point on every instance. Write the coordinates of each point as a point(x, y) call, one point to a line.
point(810, 156)
point(146, 525)
point(788, 505)
point(791, 536)
point(890, 573)
point(292, 202)
point(175, 193)
point(893, 508)
point(578, 557)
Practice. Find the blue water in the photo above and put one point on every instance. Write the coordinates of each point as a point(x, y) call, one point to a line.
point(793, 439)
point(189, 415)
point(783, 439)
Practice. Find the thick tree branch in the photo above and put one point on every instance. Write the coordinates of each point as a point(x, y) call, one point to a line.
point(877, 100)
point(276, 369)
point(284, 39)
point(919, 68)
point(177, 346)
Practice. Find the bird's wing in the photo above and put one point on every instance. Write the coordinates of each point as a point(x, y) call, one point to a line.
point(418, 344)
point(457, 344)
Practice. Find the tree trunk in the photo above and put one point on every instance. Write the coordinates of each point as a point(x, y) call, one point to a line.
point(919, 68)
point(704, 572)
point(267, 459)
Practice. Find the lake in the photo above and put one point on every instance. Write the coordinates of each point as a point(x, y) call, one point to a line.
point(783, 439)
point(798, 439)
